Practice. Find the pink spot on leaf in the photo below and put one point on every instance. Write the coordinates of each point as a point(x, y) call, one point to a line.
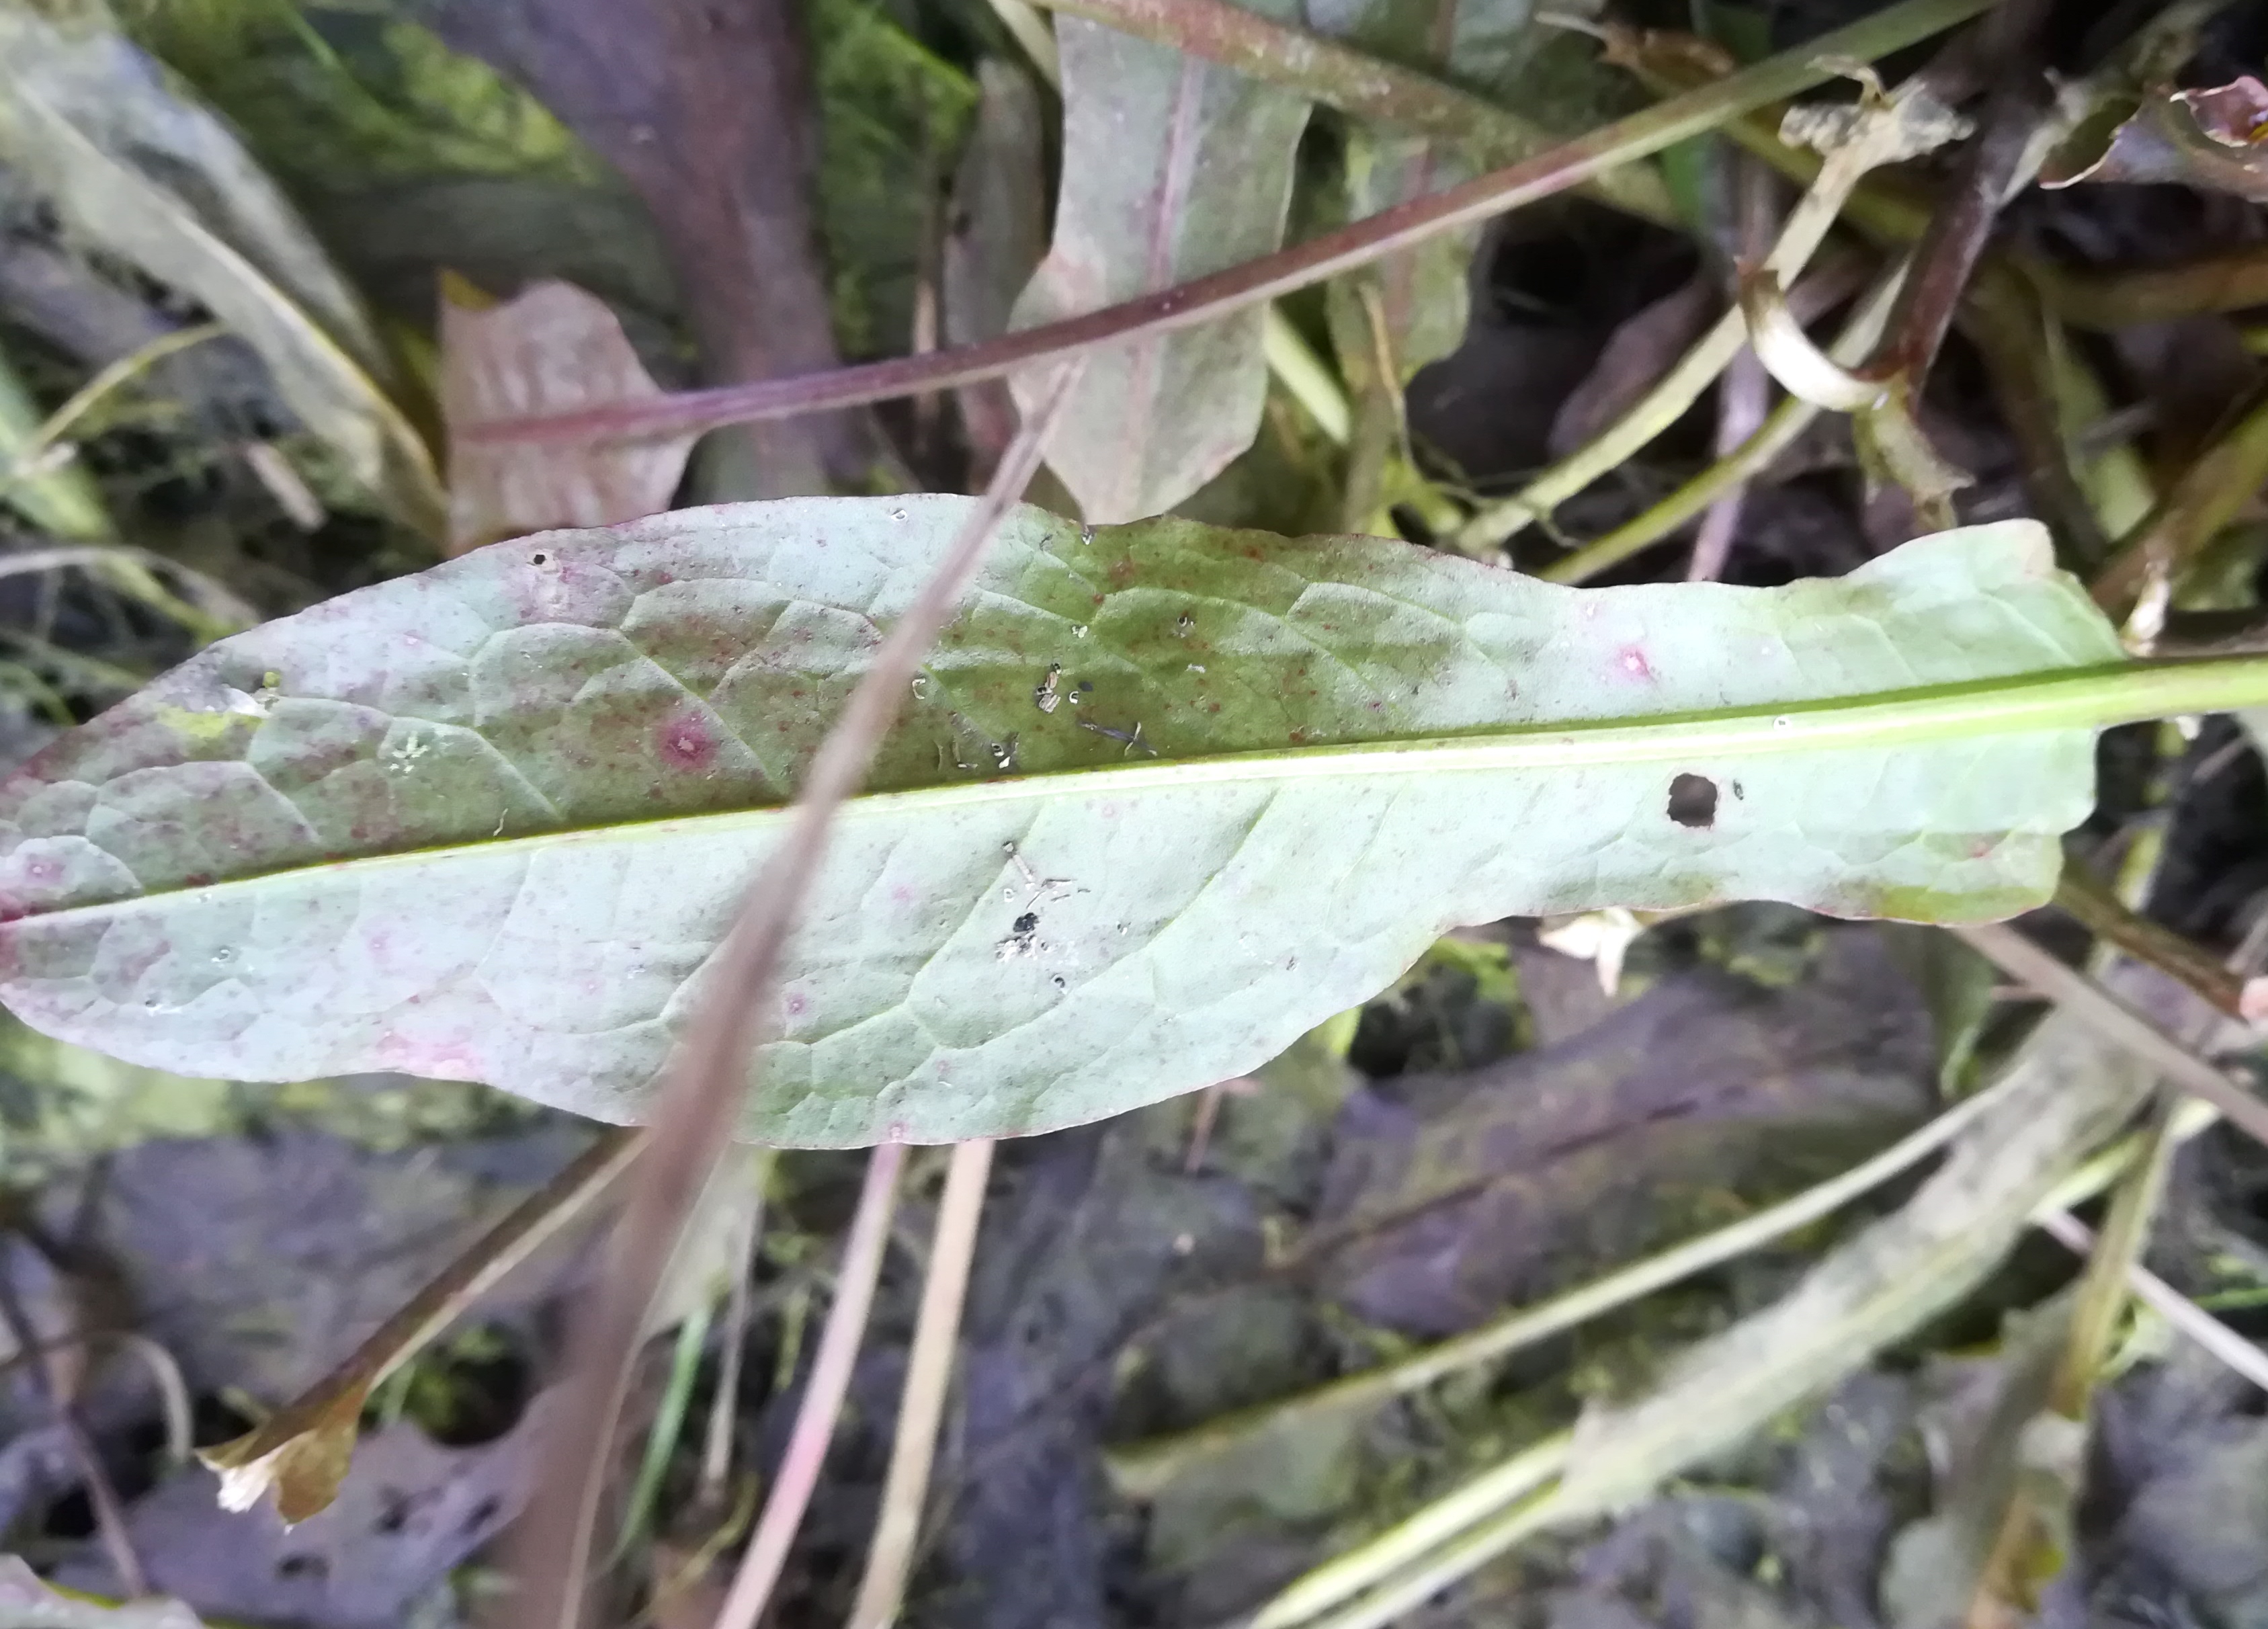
point(684, 740)
point(1632, 660)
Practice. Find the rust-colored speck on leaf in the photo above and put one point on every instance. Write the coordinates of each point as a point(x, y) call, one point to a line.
point(683, 740)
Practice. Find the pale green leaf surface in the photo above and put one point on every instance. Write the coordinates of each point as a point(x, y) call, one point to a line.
point(139, 169)
point(1173, 167)
point(489, 822)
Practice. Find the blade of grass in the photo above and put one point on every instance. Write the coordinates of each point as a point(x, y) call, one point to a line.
point(2105, 301)
point(668, 1428)
point(2031, 373)
point(58, 497)
point(929, 1372)
point(1408, 1542)
point(120, 373)
point(700, 1100)
point(2027, 1550)
point(1625, 141)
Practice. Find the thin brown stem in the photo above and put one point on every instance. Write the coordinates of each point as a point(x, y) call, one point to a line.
point(1203, 299)
point(2084, 899)
point(699, 1102)
point(2119, 1024)
point(821, 1407)
point(2024, 1548)
point(302, 1448)
point(1961, 223)
point(1744, 394)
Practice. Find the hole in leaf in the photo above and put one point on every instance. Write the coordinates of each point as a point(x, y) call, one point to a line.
point(1693, 800)
point(539, 559)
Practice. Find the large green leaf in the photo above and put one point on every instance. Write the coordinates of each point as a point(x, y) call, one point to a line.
point(489, 822)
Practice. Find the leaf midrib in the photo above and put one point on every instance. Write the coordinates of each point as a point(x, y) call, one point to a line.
point(2093, 698)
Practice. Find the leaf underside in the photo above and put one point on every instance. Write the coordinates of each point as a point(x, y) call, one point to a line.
point(1172, 168)
point(489, 822)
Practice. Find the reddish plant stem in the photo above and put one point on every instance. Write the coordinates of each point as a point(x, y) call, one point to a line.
point(1300, 266)
point(1744, 394)
point(1949, 251)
